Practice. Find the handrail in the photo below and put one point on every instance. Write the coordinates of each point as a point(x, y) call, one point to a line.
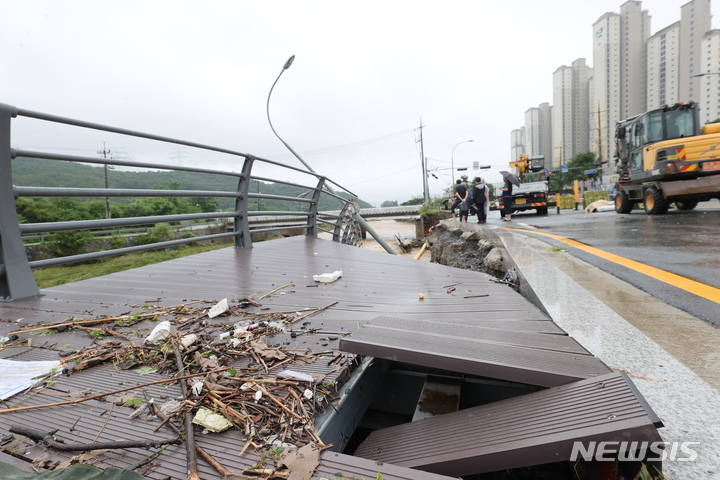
point(16, 280)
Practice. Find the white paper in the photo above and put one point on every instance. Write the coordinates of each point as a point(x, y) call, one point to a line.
point(328, 277)
point(16, 376)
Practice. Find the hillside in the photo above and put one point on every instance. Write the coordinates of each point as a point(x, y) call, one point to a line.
point(32, 172)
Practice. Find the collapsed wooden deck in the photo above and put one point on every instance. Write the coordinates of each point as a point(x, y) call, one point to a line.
point(525, 344)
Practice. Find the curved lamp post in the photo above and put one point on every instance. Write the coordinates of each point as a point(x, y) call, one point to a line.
point(360, 220)
point(267, 109)
point(452, 161)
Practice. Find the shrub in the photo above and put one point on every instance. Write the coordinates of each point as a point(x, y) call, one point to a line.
point(64, 244)
point(567, 202)
point(159, 233)
point(116, 241)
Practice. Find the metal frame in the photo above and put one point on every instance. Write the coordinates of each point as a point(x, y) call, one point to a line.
point(16, 279)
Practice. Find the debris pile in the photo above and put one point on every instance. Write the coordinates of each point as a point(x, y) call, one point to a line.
point(230, 377)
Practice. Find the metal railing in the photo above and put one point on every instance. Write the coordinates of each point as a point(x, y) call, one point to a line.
point(16, 280)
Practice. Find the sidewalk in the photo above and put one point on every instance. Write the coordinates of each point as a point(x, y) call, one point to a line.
point(688, 405)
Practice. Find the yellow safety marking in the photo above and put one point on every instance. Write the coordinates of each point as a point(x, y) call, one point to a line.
point(697, 288)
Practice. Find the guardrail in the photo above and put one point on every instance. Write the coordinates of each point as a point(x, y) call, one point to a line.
point(16, 280)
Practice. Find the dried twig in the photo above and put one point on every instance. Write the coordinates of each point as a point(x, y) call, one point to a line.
point(47, 439)
point(313, 313)
point(94, 397)
point(279, 288)
point(192, 465)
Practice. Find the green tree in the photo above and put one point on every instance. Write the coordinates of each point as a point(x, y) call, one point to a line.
point(579, 164)
point(389, 203)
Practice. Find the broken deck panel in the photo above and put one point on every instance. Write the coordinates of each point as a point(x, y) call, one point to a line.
point(455, 352)
point(372, 285)
point(479, 333)
point(532, 429)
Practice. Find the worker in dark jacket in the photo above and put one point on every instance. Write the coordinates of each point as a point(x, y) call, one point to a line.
point(480, 196)
point(507, 199)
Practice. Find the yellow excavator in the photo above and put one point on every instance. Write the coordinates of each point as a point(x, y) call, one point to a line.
point(664, 156)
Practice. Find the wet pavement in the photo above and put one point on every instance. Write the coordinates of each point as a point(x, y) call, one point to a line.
point(688, 405)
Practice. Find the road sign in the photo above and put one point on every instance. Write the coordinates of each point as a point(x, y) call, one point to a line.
point(588, 172)
point(565, 168)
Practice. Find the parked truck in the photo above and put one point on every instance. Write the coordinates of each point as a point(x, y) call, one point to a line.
point(532, 193)
point(665, 156)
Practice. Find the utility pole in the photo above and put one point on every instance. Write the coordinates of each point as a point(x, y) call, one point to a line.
point(426, 193)
point(105, 153)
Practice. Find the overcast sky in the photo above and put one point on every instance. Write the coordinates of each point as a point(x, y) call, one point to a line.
point(364, 75)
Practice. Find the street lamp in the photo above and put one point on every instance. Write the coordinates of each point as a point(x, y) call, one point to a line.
point(706, 73)
point(452, 157)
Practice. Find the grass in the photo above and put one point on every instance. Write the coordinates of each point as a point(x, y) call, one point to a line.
point(62, 274)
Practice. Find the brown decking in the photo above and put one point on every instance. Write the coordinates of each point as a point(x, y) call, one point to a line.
point(532, 358)
point(373, 285)
point(532, 429)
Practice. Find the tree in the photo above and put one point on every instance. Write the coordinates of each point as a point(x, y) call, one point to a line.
point(581, 163)
point(389, 203)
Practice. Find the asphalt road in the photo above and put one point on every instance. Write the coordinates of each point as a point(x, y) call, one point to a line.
point(680, 243)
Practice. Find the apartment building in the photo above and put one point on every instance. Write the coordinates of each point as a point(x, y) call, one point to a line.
point(663, 67)
point(517, 143)
point(707, 87)
point(570, 111)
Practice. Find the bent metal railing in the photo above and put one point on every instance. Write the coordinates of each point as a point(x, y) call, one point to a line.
point(16, 279)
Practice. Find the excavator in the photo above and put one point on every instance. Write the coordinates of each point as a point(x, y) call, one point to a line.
point(665, 156)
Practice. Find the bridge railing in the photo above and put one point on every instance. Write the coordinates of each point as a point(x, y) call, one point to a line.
point(16, 280)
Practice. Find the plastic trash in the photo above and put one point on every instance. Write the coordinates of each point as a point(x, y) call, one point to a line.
point(258, 396)
point(188, 340)
point(308, 394)
point(160, 332)
point(328, 277)
point(220, 308)
point(292, 375)
point(197, 388)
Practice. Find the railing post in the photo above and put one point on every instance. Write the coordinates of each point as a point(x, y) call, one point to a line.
point(241, 219)
point(312, 230)
point(16, 279)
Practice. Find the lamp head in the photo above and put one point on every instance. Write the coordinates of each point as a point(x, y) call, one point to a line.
point(289, 62)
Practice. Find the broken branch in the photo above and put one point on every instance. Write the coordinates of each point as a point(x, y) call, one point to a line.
point(47, 438)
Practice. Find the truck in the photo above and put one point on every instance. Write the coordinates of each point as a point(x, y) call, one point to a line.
point(532, 193)
point(664, 157)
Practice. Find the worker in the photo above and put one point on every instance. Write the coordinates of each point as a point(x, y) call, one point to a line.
point(507, 199)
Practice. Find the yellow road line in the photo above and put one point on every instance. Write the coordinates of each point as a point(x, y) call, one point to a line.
point(697, 288)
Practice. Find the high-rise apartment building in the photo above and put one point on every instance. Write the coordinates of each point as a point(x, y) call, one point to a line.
point(707, 87)
point(663, 67)
point(516, 143)
point(635, 25)
point(619, 71)
point(570, 111)
point(538, 130)
point(606, 82)
point(695, 22)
